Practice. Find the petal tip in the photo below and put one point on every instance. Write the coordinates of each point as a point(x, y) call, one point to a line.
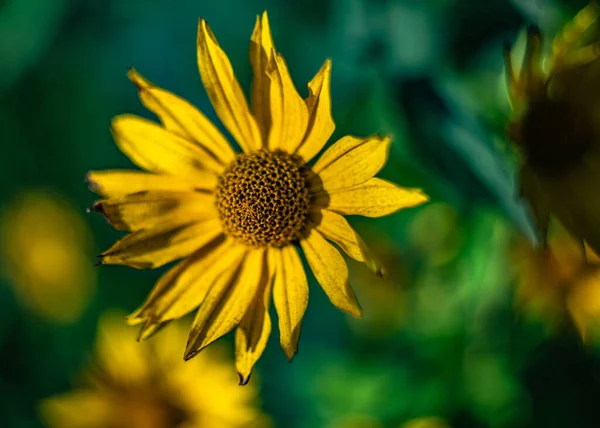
point(190, 354)
point(93, 185)
point(244, 379)
point(290, 352)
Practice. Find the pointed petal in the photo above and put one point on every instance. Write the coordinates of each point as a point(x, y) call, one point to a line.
point(182, 118)
point(155, 149)
point(153, 208)
point(151, 248)
point(331, 271)
point(184, 287)
point(335, 228)
point(373, 198)
point(224, 91)
point(261, 52)
point(113, 183)
point(227, 302)
point(290, 294)
point(289, 115)
point(352, 161)
point(320, 124)
point(252, 334)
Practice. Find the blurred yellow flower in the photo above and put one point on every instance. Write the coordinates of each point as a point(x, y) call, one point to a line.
point(555, 127)
point(426, 422)
point(239, 220)
point(147, 385)
point(43, 244)
point(558, 282)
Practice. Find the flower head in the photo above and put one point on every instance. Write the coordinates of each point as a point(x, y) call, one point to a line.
point(43, 243)
point(147, 385)
point(554, 126)
point(240, 220)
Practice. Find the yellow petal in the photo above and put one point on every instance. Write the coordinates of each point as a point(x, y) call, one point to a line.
point(289, 115)
point(113, 183)
point(352, 161)
point(184, 287)
point(78, 408)
point(373, 198)
point(261, 52)
point(153, 208)
point(151, 248)
point(335, 228)
point(290, 294)
point(224, 91)
point(320, 124)
point(570, 36)
point(119, 355)
point(182, 118)
point(155, 149)
point(331, 271)
point(227, 302)
point(252, 334)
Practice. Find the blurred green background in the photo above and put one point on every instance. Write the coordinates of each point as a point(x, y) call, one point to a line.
point(441, 337)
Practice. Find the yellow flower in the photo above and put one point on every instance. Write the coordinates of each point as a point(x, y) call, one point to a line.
point(426, 422)
point(554, 124)
point(238, 220)
point(43, 243)
point(133, 385)
point(559, 283)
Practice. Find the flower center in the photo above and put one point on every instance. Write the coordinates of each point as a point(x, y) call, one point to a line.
point(263, 198)
point(554, 137)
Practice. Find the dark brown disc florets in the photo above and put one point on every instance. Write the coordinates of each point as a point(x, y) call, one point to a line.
point(263, 198)
point(554, 136)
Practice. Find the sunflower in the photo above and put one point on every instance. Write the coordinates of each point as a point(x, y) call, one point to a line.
point(240, 220)
point(132, 385)
point(554, 125)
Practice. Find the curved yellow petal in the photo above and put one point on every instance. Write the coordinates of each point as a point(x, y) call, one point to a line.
point(336, 228)
point(320, 123)
point(184, 287)
point(373, 198)
point(290, 294)
point(330, 269)
point(224, 91)
point(261, 52)
point(111, 183)
point(569, 40)
point(182, 118)
point(352, 162)
point(154, 247)
point(154, 208)
point(289, 115)
point(252, 334)
point(227, 302)
point(155, 149)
